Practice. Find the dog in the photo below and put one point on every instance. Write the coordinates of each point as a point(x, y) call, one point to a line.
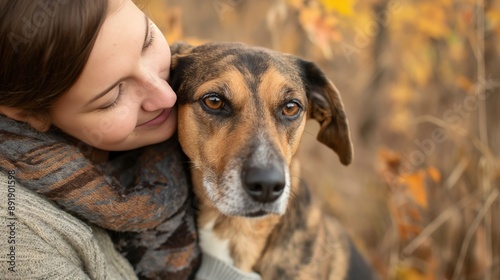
point(242, 111)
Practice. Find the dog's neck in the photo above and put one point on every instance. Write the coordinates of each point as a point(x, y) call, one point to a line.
point(238, 241)
point(234, 240)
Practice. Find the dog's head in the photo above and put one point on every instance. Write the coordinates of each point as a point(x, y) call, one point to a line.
point(242, 111)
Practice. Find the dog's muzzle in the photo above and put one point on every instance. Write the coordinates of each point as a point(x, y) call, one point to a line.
point(254, 183)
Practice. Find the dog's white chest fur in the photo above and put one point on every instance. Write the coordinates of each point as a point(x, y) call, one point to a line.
point(213, 245)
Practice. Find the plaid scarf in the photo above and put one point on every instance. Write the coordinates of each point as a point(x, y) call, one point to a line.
point(141, 196)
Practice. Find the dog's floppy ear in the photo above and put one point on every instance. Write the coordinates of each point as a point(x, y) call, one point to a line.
point(178, 65)
point(325, 106)
point(180, 48)
point(177, 49)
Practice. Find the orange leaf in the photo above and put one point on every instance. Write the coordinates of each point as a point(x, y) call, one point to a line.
point(407, 230)
point(434, 174)
point(414, 214)
point(416, 187)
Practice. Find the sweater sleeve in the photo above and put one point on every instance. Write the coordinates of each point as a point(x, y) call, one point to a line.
point(40, 241)
point(215, 269)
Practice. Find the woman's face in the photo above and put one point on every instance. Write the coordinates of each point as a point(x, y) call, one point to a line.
point(121, 101)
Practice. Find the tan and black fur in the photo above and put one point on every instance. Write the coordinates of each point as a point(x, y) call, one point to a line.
point(242, 111)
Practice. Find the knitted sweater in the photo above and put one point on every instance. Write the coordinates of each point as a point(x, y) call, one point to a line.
point(40, 241)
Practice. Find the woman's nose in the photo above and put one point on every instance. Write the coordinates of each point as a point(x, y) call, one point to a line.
point(157, 94)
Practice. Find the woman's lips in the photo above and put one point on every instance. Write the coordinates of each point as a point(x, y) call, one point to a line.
point(163, 116)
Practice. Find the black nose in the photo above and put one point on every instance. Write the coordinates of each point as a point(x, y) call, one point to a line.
point(264, 184)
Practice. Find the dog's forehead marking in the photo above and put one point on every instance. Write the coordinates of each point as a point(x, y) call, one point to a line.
point(210, 62)
point(230, 84)
point(255, 63)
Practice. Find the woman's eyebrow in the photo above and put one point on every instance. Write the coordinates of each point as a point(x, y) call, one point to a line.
point(105, 91)
point(120, 80)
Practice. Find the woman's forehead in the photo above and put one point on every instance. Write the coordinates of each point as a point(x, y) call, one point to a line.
point(116, 52)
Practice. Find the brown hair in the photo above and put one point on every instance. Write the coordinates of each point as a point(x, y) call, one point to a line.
point(44, 48)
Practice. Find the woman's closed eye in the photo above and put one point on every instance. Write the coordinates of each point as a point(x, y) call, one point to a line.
point(115, 102)
point(149, 41)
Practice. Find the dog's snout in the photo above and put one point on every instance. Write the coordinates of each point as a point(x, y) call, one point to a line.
point(264, 184)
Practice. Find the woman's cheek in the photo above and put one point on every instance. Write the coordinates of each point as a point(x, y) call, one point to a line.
point(122, 127)
point(114, 127)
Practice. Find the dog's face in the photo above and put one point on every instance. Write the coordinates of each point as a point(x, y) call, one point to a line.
point(242, 111)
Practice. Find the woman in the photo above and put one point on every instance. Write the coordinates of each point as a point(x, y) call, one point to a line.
point(81, 82)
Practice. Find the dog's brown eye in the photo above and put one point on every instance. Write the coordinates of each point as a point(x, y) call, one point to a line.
point(291, 109)
point(213, 102)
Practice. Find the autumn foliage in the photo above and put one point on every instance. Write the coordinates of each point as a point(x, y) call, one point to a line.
point(421, 85)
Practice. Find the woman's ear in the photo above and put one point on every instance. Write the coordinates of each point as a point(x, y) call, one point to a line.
point(39, 121)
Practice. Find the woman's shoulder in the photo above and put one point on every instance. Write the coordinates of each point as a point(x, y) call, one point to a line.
point(42, 216)
point(40, 236)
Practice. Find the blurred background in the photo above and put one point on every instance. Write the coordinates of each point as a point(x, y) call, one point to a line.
point(420, 81)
